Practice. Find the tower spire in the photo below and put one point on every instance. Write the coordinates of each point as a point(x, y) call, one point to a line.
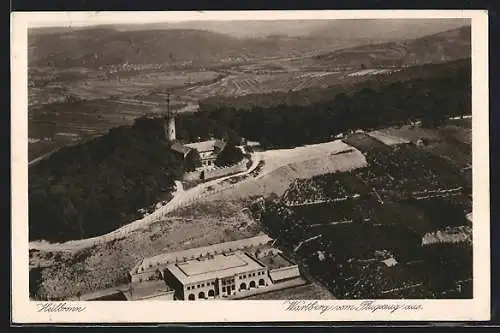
point(168, 105)
point(169, 122)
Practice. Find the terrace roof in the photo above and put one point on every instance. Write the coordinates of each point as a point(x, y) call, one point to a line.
point(287, 273)
point(167, 258)
point(146, 289)
point(206, 146)
point(216, 267)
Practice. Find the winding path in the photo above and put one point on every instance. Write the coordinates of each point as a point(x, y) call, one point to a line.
point(181, 198)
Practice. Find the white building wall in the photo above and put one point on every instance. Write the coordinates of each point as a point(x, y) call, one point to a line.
point(201, 289)
point(244, 281)
point(236, 284)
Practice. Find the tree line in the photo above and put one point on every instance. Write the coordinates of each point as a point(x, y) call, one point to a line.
point(430, 99)
point(347, 84)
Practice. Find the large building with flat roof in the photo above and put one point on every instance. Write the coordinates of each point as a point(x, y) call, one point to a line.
point(148, 268)
point(216, 276)
point(226, 270)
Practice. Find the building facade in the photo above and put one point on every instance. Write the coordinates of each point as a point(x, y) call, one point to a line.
point(217, 277)
point(208, 151)
point(220, 271)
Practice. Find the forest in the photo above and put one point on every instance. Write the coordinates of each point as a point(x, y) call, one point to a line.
point(430, 99)
point(93, 188)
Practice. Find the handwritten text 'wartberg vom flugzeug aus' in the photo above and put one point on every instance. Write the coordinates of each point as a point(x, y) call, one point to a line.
point(369, 306)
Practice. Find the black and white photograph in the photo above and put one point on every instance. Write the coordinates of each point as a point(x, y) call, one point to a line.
point(209, 158)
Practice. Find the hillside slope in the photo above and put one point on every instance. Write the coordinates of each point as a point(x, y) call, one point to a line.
point(386, 29)
point(104, 46)
point(446, 46)
point(95, 47)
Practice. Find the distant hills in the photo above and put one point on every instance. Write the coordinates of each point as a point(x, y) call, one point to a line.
point(103, 46)
point(383, 30)
point(358, 29)
point(94, 47)
point(442, 47)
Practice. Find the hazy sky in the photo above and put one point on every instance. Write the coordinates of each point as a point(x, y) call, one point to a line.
point(258, 24)
point(50, 19)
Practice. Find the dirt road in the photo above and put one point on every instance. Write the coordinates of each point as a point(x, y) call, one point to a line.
point(181, 198)
point(273, 160)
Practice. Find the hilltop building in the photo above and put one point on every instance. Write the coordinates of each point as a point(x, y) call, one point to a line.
point(206, 151)
point(221, 271)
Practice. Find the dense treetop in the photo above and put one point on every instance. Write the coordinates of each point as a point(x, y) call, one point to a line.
point(95, 187)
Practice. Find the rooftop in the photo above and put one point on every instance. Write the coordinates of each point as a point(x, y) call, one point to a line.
point(100, 294)
point(146, 289)
point(180, 148)
point(215, 267)
point(206, 146)
point(253, 143)
point(390, 262)
point(167, 258)
point(469, 216)
point(285, 273)
point(275, 261)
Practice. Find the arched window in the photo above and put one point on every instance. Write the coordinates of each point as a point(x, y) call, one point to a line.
point(252, 284)
point(201, 295)
point(191, 297)
point(262, 282)
point(243, 286)
point(211, 293)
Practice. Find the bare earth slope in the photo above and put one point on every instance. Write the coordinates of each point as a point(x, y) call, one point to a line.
point(275, 176)
point(285, 165)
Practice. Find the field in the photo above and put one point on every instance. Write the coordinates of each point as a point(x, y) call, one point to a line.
point(255, 83)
